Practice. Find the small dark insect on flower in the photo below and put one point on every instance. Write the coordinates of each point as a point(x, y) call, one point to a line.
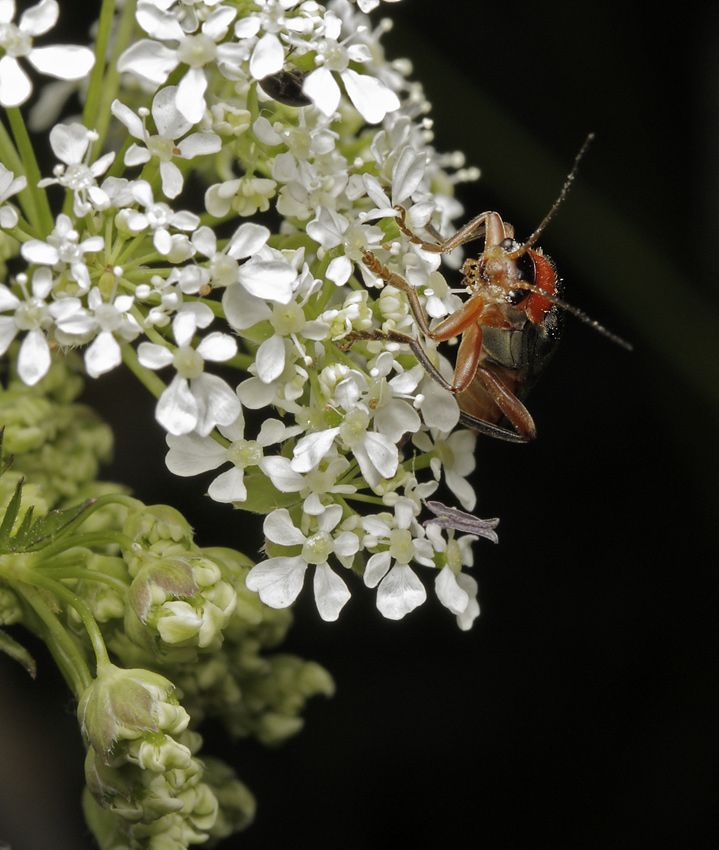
point(446, 517)
point(286, 87)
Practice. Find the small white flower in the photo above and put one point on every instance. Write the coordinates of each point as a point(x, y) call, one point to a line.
point(279, 580)
point(65, 62)
point(192, 454)
point(194, 400)
point(153, 61)
point(164, 145)
point(159, 218)
point(370, 96)
point(399, 590)
point(72, 145)
point(64, 251)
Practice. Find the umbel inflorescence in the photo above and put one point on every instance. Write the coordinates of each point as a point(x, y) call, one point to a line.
point(221, 170)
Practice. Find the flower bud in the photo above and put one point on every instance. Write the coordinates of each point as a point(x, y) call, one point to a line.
point(123, 705)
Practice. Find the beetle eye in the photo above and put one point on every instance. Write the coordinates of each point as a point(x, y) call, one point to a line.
point(516, 296)
point(509, 244)
point(525, 267)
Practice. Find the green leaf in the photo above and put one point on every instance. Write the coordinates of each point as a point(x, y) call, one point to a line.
point(46, 529)
point(8, 520)
point(15, 650)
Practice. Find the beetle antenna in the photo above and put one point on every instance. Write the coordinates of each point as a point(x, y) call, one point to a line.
point(562, 195)
point(580, 314)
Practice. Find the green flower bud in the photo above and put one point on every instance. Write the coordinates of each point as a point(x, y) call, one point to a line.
point(180, 600)
point(123, 705)
point(158, 524)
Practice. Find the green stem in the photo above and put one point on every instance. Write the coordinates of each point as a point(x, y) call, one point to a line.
point(94, 90)
point(58, 573)
point(42, 216)
point(98, 110)
point(40, 580)
point(64, 650)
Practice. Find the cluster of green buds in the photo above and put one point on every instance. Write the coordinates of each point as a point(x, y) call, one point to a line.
point(109, 577)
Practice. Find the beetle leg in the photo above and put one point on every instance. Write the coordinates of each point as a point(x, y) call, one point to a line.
point(507, 402)
point(488, 224)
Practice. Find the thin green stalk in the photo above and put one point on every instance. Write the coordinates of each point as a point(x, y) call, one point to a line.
point(64, 650)
point(99, 111)
point(43, 217)
point(94, 90)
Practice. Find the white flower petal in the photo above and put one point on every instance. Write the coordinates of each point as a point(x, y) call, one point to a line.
point(35, 251)
point(449, 593)
point(270, 359)
point(103, 355)
point(191, 454)
point(247, 240)
point(268, 57)
point(40, 18)
point(471, 612)
point(376, 568)
point(33, 359)
point(146, 58)
point(217, 347)
point(279, 471)
point(323, 89)
point(400, 592)
point(277, 580)
point(243, 310)
point(331, 593)
point(129, 119)
point(153, 356)
point(407, 174)
point(271, 279)
point(279, 528)
point(172, 180)
point(310, 450)
point(217, 404)
point(15, 85)
point(191, 94)
point(199, 144)
point(69, 142)
point(371, 97)
point(176, 408)
point(380, 452)
point(229, 486)
point(64, 62)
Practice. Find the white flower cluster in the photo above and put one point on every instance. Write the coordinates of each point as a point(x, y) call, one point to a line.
point(279, 107)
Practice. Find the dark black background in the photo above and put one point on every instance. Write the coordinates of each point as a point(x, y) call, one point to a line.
point(581, 709)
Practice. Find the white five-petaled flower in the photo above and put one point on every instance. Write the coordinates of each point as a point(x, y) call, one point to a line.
point(9, 185)
point(72, 145)
point(194, 400)
point(279, 580)
point(171, 125)
point(159, 217)
point(64, 61)
point(370, 96)
point(64, 251)
point(191, 454)
point(399, 591)
point(330, 229)
point(152, 60)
